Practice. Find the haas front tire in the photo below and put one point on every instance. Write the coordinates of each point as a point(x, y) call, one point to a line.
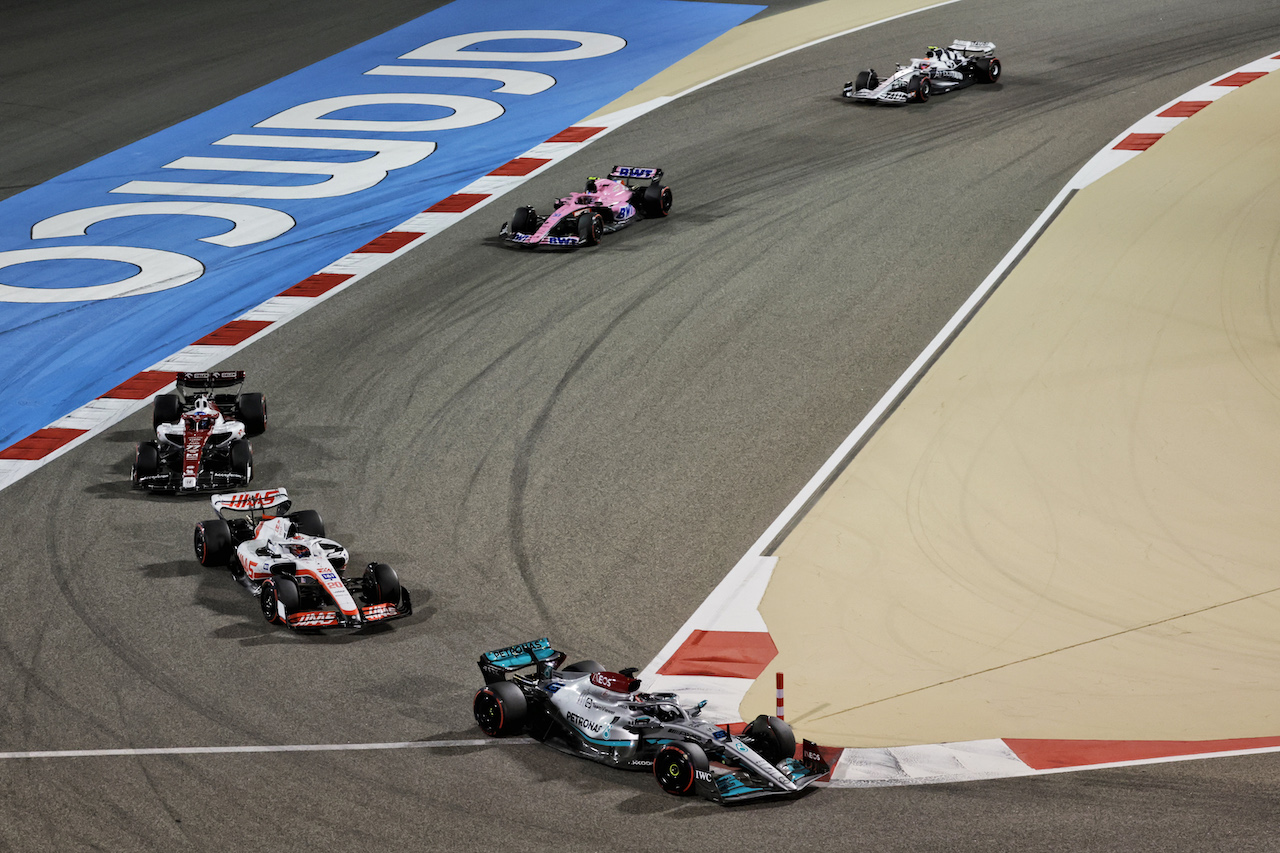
point(866, 80)
point(381, 584)
point(279, 593)
point(500, 709)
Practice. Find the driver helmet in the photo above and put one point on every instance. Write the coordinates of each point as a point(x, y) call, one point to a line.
point(932, 52)
point(591, 184)
point(203, 415)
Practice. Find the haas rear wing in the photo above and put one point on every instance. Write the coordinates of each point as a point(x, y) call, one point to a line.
point(496, 664)
point(263, 499)
point(635, 173)
point(969, 48)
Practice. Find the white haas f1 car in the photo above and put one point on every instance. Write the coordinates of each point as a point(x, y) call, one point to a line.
point(201, 439)
point(583, 710)
point(297, 574)
point(942, 69)
point(606, 205)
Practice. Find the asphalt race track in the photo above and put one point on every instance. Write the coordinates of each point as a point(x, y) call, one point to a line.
point(571, 445)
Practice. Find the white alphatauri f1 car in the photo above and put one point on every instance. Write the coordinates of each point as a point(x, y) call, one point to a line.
point(941, 69)
point(297, 574)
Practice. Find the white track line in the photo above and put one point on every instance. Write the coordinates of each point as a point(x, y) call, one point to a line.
point(216, 750)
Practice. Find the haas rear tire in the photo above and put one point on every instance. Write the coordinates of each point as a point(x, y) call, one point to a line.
point(676, 767)
point(166, 409)
point(772, 738)
point(989, 72)
point(309, 522)
point(213, 544)
point(276, 592)
point(524, 221)
point(253, 413)
point(500, 709)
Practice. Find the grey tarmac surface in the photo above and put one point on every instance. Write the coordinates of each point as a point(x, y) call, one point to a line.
point(577, 445)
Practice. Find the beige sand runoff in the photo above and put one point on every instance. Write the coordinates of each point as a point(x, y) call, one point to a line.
point(1071, 527)
point(762, 38)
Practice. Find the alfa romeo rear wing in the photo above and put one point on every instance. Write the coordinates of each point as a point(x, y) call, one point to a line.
point(496, 664)
point(208, 380)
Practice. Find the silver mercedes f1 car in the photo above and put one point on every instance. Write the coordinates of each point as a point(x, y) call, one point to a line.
point(941, 69)
point(584, 710)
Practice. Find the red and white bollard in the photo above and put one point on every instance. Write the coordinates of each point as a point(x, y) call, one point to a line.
point(779, 715)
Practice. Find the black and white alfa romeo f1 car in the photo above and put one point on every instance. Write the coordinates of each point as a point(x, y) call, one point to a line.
point(941, 69)
point(584, 710)
point(299, 576)
point(202, 430)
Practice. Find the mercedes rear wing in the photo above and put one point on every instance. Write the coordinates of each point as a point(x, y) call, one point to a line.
point(496, 664)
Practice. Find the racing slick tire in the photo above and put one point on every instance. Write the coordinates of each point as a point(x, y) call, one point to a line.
point(242, 459)
point(524, 221)
point(499, 709)
point(590, 228)
point(583, 666)
point(278, 591)
point(165, 409)
point(253, 413)
point(213, 543)
point(989, 71)
point(657, 200)
point(676, 767)
point(381, 584)
point(309, 522)
point(919, 89)
point(866, 80)
point(146, 462)
point(771, 737)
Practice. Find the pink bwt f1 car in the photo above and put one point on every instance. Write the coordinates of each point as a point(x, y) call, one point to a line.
point(605, 206)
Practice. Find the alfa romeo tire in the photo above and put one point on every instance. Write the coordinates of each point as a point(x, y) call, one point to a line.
point(253, 413)
point(166, 409)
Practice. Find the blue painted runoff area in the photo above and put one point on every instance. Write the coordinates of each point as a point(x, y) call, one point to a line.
point(117, 264)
